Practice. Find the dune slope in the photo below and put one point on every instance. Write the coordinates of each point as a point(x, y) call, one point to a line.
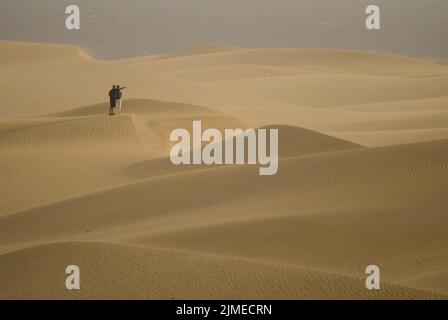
point(120, 272)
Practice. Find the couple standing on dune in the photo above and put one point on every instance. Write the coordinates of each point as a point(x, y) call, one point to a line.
point(115, 96)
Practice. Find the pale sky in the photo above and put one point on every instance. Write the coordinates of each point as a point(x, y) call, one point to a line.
point(118, 28)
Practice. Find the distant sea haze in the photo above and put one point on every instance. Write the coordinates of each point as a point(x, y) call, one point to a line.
point(116, 29)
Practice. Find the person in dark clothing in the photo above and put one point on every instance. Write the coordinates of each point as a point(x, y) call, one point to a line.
point(113, 95)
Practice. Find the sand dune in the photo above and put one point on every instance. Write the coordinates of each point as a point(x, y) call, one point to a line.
point(14, 54)
point(442, 61)
point(239, 217)
point(85, 130)
point(123, 272)
point(198, 50)
point(376, 137)
point(302, 90)
point(140, 106)
point(295, 141)
point(86, 141)
point(346, 61)
point(363, 175)
point(387, 174)
point(236, 72)
point(258, 86)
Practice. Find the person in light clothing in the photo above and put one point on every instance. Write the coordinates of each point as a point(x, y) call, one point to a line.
point(119, 100)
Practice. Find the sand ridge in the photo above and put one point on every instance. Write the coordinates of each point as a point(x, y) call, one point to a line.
point(362, 179)
point(140, 269)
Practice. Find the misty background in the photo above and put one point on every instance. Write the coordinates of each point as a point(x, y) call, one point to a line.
point(117, 29)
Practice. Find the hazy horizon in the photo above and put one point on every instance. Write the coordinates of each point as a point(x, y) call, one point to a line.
point(113, 29)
